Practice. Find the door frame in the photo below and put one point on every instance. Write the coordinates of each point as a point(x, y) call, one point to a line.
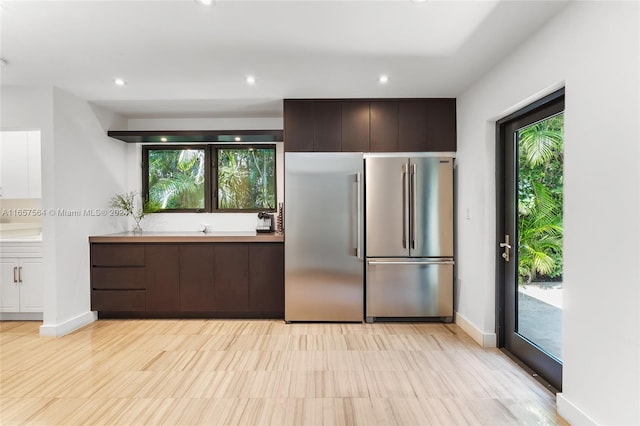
point(548, 369)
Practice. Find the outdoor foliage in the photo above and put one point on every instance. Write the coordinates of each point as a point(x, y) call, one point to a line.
point(246, 178)
point(176, 178)
point(540, 200)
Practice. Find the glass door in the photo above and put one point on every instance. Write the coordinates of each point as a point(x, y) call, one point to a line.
point(530, 224)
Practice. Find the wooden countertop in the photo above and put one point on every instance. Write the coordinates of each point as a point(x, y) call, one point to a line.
point(185, 237)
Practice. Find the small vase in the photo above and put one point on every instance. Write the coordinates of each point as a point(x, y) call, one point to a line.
point(137, 229)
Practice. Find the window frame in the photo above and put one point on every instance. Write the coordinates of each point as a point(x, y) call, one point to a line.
point(210, 174)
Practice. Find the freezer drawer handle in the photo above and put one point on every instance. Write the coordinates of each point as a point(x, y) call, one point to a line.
point(426, 262)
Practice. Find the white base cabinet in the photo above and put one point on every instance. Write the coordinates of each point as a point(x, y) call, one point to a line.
point(21, 278)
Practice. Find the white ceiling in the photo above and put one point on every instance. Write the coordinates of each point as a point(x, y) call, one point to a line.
point(183, 59)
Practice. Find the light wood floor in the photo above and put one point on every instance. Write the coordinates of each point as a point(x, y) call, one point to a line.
point(262, 373)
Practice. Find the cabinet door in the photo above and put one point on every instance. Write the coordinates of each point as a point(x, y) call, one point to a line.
point(35, 167)
point(266, 278)
point(231, 277)
point(412, 126)
point(9, 287)
point(441, 124)
point(384, 126)
point(327, 126)
point(355, 126)
point(196, 277)
point(162, 277)
point(14, 163)
point(298, 125)
point(31, 278)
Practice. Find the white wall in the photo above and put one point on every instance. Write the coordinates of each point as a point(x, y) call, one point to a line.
point(592, 48)
point(191, 222)
point(81, 169)
point(89, 168)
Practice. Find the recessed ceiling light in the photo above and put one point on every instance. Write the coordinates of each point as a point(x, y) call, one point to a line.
point(163, 139)
point(251, 80)
point(119, 81)
point(237, 138)
point(205, 2)
point(383, 79)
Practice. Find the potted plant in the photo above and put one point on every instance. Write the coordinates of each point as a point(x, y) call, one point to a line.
point(127, 203)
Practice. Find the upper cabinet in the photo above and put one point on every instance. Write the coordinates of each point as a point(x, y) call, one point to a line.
point(441, 124)
point(327, 126)
point(370, 125)
point(20, 173)
point(384, 126)
point(355, 126)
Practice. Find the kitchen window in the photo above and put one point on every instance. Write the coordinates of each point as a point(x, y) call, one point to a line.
point(210, 178)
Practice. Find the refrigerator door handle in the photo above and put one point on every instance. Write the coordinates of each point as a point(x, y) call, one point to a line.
point(359, 214)
point(400, 262)
point(404, 206)
point(412, 207)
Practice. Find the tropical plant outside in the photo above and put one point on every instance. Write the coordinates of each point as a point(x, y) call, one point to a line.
point(176, 178)
point(540, 200)
point(246, 178)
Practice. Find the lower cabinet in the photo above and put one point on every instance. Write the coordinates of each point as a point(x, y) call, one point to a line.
point(196, 278)
point(231, 277)
point(266, 277)
point(162, 277)
point(236, 280)
point(21, 284)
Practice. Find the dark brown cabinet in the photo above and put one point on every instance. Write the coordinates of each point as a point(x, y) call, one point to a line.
point(370, 125)
point(441, 125)
point(355, 126)
point(384, 126)
point(162, 277)
point(298, 132)
point(231, 277)
point(412, 126)
point(235, 280)
point(118, 277)
point(266, 292)
point(327, 126)
point(196, 277)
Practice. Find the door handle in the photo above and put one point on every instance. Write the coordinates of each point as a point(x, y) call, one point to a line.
point(359, 213)
point(412, 212)
point(404, 206)
point(15, 272)
point(507, 248)
point(20, 274)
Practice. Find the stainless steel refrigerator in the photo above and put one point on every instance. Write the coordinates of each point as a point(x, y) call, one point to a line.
point(409, 238)
point(324, 233)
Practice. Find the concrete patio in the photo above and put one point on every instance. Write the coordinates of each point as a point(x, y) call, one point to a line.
point(540, 315)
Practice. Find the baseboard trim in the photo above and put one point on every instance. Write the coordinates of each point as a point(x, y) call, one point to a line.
point(66, 327)
point(486, 340)
point(20, 316)
point(571, 413)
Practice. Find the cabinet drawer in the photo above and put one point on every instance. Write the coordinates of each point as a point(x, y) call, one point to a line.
point(117, 254)
point(118, 300)
point(127, 278)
